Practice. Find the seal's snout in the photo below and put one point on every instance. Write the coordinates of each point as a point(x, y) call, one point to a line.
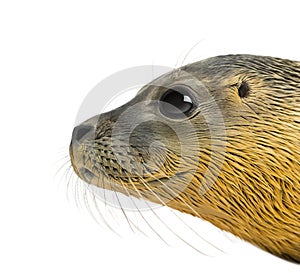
point(217, 139)
point(86, 174)
point(81, 132)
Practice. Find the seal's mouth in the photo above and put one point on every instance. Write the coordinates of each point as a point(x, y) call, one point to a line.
point(77, 163)
point(86, 174)
point(94, 162)
point(101, 176)
point(73, 160)
point(91, 178)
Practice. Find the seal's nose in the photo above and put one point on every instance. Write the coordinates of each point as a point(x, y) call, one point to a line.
point(82, 131)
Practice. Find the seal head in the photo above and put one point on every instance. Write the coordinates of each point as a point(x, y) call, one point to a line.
point(218, 139)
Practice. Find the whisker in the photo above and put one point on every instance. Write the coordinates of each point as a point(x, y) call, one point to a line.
point(106, 205)
point(133, 202)
point(177, 61)
point(189, 52)
point(61, 167)
point(68, 177)
point(143, 217)
point(177, 216)
point(99, 213)
point(152, 69)
point(96, 206)
point(122, 209)
point(171, 230)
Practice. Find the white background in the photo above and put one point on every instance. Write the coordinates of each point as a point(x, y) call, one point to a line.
point(52, 53)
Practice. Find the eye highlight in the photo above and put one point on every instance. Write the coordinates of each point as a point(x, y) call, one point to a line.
point(176, 102)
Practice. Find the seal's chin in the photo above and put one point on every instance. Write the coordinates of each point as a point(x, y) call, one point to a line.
point(78, 166)
point(81, 133)
point(73, 159)
point(86, 175)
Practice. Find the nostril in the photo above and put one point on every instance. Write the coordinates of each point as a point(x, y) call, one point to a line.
point(81, 131)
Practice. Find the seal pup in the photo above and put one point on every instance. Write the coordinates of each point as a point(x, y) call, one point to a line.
point(218, 139)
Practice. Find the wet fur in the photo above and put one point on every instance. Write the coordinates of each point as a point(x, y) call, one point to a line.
point(256, 196)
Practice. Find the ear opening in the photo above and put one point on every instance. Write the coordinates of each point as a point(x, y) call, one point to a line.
point(244, 90)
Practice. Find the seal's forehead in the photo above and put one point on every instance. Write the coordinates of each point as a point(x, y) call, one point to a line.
point(240, 62)
point(163, 82)
point(227, 69)
point(222, 71)
point(218, 66)
point(213, 70)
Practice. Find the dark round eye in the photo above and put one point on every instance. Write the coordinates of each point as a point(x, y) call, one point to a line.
point(176, 102)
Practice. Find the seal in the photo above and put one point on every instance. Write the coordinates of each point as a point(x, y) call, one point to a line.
point(218, 139)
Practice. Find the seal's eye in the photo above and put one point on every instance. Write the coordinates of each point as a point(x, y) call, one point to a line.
point(176, 103)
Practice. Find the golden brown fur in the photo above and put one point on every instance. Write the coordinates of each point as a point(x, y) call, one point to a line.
point(256, 193)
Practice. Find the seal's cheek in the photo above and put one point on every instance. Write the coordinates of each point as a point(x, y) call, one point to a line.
point(156, 145)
